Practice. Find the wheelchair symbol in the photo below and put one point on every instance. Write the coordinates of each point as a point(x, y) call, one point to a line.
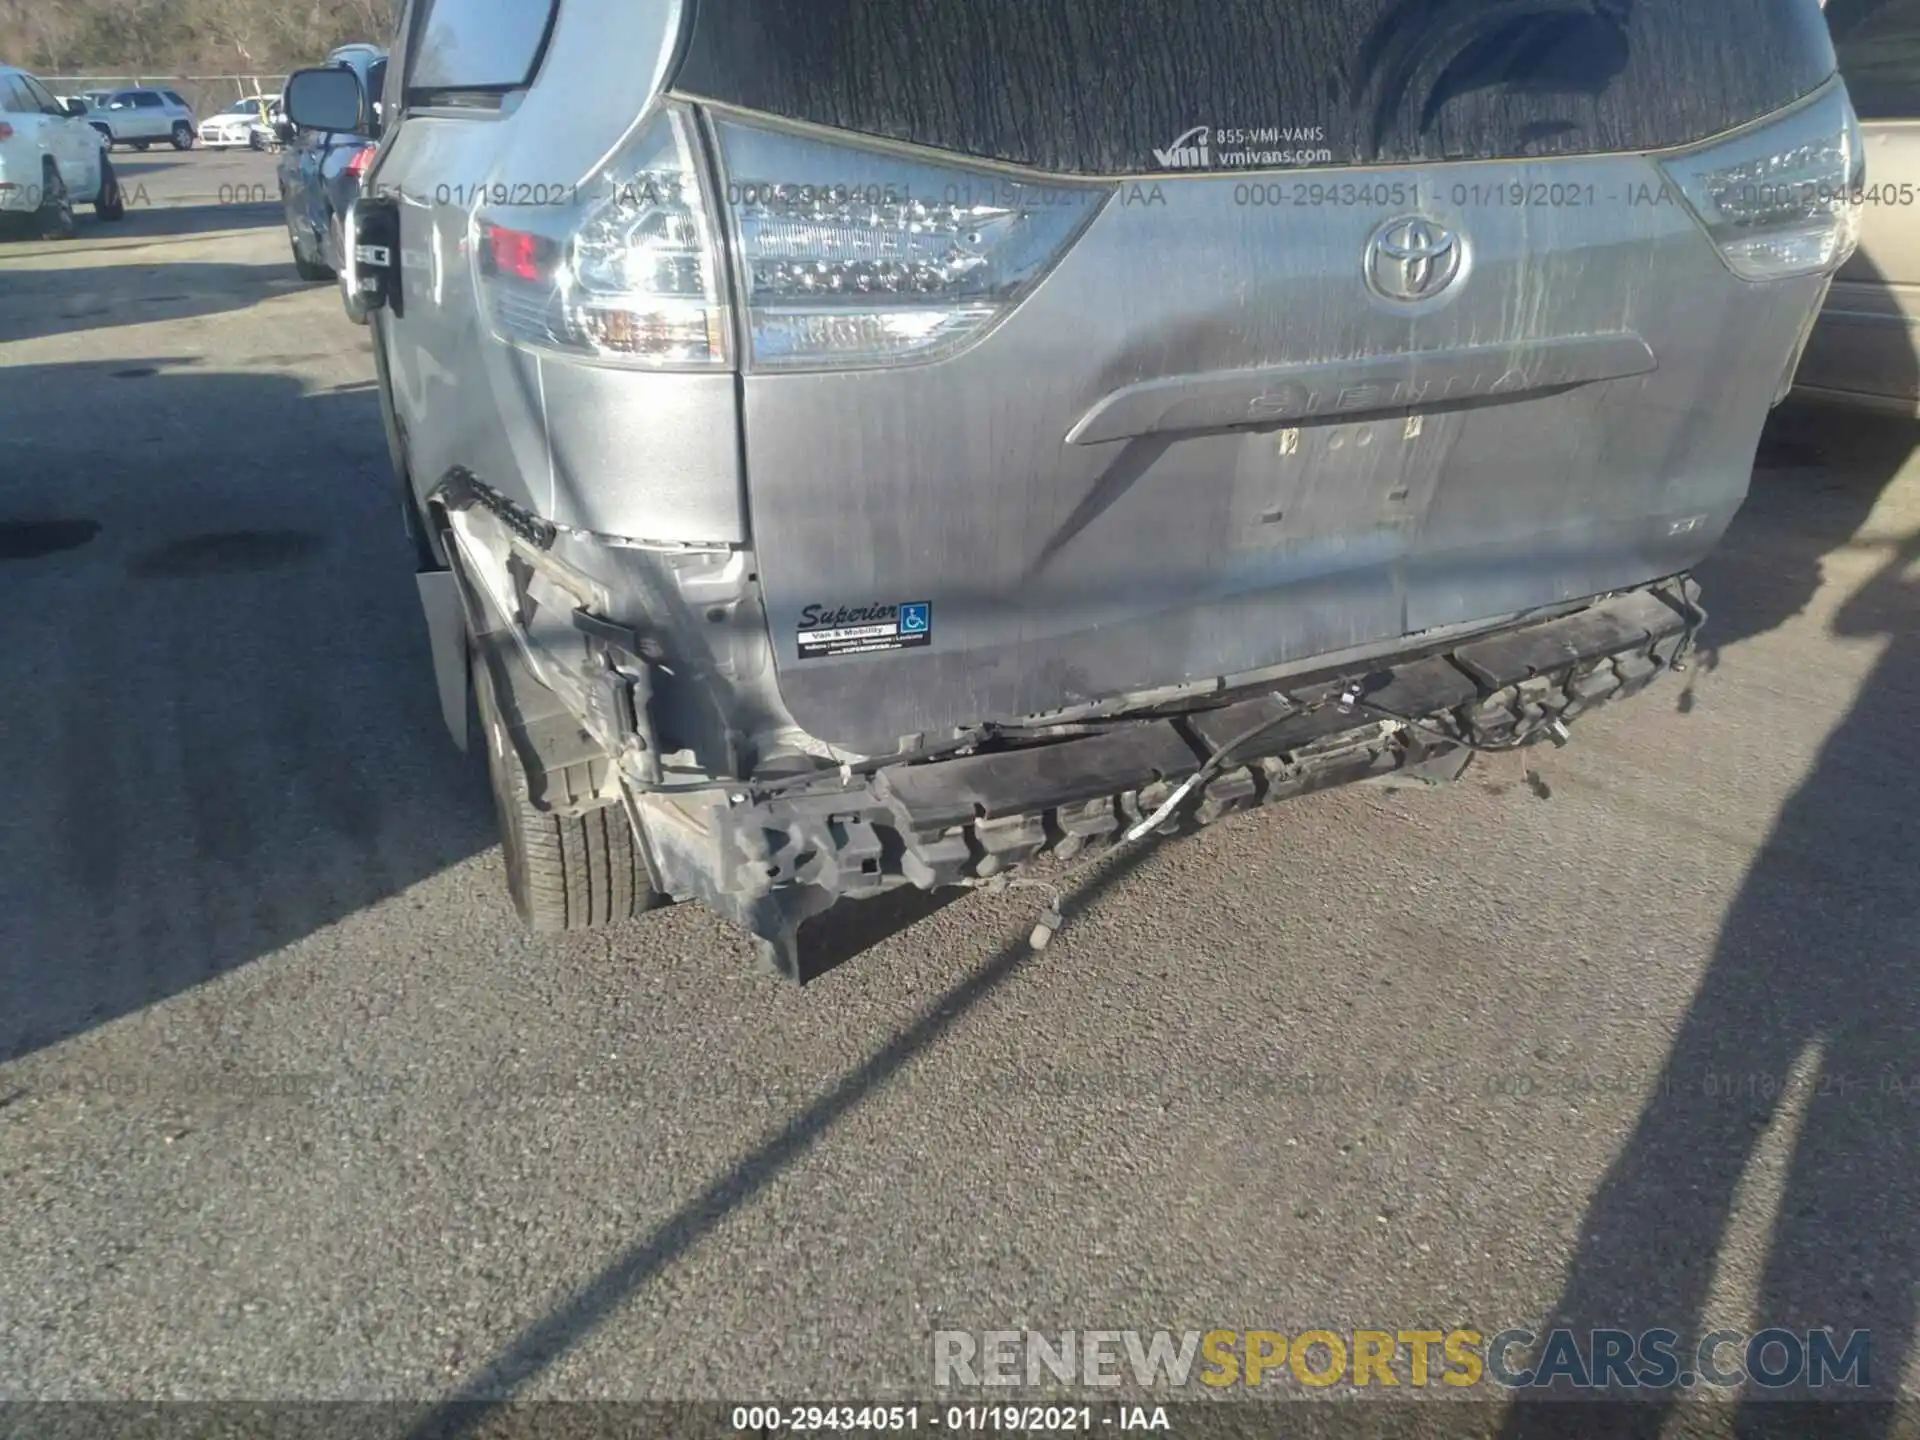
point(915, 619)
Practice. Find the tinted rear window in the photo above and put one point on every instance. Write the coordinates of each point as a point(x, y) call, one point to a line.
point(1123, 86)
point(1879, 45)
point(479, 44)
point(40, 95)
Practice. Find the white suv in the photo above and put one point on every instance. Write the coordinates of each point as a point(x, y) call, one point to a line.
point(50, 158)
point(140, 117)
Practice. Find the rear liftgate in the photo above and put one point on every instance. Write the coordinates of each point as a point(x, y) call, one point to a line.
point(1406, 316)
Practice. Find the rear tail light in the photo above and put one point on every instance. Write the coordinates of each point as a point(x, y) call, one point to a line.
point(362, 158)
point(1782, 198)
point(621, 269)
point(6, 131)
point(857, 257)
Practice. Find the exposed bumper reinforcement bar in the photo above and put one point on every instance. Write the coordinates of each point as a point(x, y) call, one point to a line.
point(770, 860)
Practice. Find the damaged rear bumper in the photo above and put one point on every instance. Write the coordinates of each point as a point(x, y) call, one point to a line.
point(771, 858)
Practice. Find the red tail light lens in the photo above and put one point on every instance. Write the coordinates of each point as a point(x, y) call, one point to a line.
point(519, 253)
point(6, 131)
point(357, 166)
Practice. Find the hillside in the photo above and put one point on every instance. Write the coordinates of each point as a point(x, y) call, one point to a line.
point(183, 37)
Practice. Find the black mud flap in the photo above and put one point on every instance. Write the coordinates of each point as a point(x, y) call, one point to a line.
point(371, 255)
point(441, 604)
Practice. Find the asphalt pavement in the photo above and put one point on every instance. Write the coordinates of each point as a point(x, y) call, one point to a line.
point(291, 1107)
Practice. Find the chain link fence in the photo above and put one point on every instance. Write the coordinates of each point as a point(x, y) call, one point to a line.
point(205, 94)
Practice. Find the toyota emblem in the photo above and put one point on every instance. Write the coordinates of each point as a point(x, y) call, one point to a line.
point(1412, 258)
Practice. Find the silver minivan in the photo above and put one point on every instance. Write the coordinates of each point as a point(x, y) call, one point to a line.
point(854, 445)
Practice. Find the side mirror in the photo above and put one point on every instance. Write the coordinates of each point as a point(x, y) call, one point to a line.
point(283, 129)
point(75, 108)
point(326, 99)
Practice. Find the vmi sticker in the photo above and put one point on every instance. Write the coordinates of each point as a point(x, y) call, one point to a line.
point(860, 629)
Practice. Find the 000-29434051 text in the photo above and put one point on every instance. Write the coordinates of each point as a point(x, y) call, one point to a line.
point(1005, 1419)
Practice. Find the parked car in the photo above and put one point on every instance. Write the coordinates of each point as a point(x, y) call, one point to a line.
point(319, 176)
point(140, 117)
point(50, 158)
point(836, 486)
point(266, 135)
point(236, 124)
point(1865, 348)
point(359, 57)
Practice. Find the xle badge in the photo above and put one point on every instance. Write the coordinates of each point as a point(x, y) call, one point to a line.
point(861, 629)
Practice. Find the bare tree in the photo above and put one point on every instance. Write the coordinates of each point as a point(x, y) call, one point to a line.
point(182, 36)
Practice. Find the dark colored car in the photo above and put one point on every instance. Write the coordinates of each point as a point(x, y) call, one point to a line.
point(319, 174)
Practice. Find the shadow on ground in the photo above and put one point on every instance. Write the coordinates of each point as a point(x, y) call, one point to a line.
point(229, 736)
point(241, 203)
point(221, 730)
point(535, 1348)
point(150, 219)
point(62, 300)
point(1808, 1016)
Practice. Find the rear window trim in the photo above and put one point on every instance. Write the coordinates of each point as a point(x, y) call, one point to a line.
point(911, 151)
point(35, 89)
point(466, 104)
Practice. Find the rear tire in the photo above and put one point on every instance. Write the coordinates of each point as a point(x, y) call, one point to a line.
point(306, 269)
point(564, 872)
point(111, 203)
point(55, 217)
point(182, 135)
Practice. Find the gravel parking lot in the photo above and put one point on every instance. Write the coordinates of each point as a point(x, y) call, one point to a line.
point(291, 1107)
